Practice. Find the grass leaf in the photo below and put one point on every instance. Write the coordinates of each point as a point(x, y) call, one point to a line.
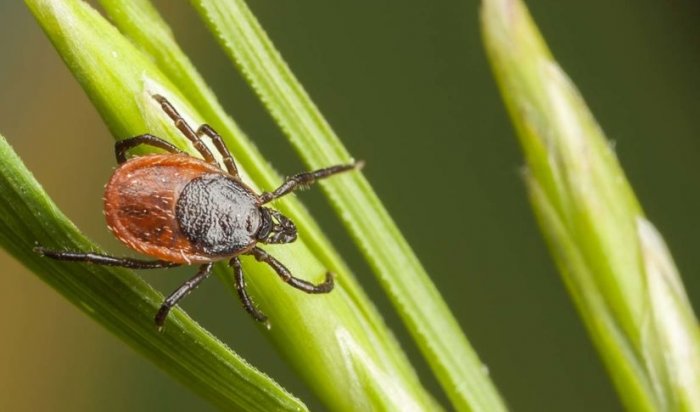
point(613, 261)
point(420, 305)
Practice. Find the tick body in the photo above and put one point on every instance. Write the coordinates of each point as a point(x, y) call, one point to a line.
point(181, 209)
point(184, 211)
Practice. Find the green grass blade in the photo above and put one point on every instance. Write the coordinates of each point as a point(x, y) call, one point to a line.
point(420, 305)
point(123, 303)
point(614, 263)
point(336, 342)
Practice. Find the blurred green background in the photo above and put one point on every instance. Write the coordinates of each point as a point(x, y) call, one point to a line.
point(407, 86)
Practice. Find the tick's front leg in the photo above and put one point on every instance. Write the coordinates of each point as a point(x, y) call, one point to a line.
point(306, 179)
point(282, 271)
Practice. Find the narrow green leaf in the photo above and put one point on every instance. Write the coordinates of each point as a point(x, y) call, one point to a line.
point(615, 264)
point(420, 305)
point(319, 334)
point(123, 302)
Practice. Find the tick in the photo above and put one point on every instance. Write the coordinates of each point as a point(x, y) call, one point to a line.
point(185, 211)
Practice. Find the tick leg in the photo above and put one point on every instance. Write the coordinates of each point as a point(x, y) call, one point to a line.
point(121, 147)
point(105, 260)
point(184, 290)
point(283, 272)
point(207, 130)
point(305, 179)
point(243, 293)
point(185, 129)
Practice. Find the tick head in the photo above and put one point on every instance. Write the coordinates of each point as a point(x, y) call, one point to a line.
point(275, 227)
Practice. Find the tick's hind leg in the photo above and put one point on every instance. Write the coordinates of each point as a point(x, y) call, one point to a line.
point(304, 179)
point(207, 130)
point(247, 302)
point(185, 129)
point(283, 272)
point(106, 260)
point(181, 292)
point(121, 147)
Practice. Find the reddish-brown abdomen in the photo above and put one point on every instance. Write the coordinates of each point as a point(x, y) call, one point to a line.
point(140, 200)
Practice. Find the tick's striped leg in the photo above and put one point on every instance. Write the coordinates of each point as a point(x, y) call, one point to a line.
point(121, 147)
point(207, 130)
point(283, 272)
point(181, 292)
point(185, 129)
point(305, 179)
point(247, 302)
point(106, 260)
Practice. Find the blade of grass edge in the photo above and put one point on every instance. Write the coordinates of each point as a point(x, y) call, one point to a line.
point(426, 315)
